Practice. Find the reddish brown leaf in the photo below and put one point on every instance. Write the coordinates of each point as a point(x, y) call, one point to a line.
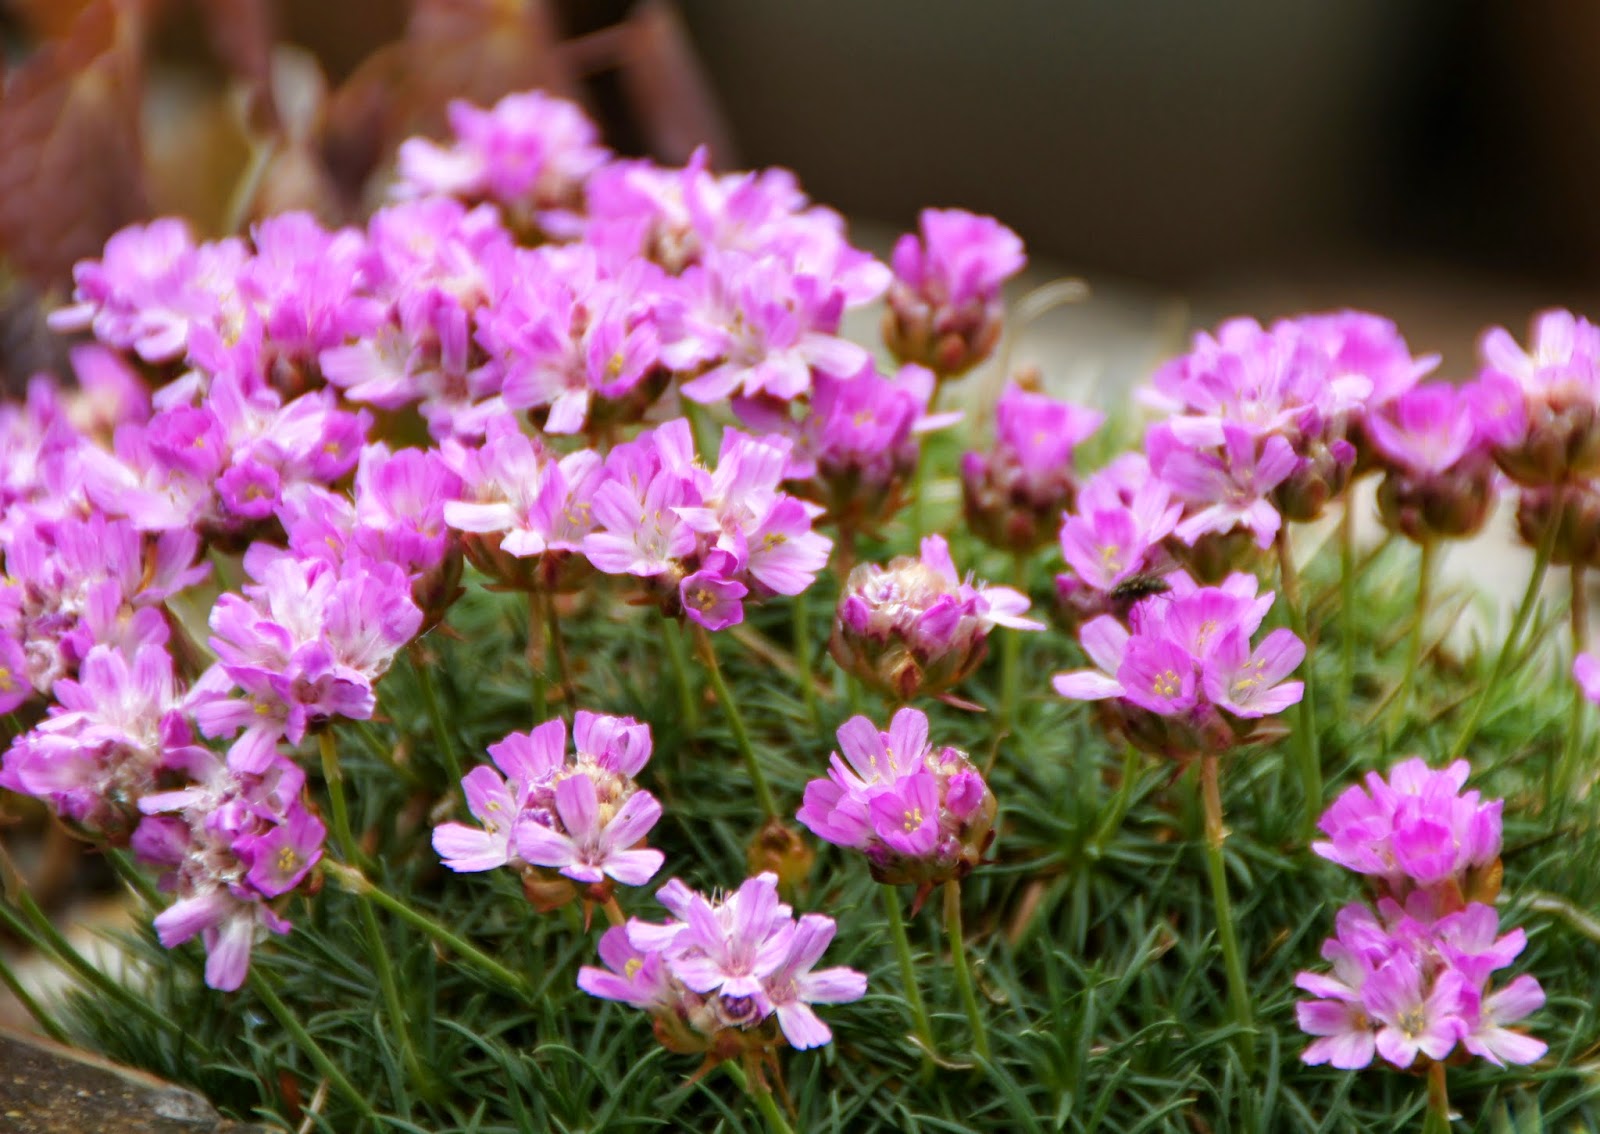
point(70, 172)
point(667, 89)
point(479, 50)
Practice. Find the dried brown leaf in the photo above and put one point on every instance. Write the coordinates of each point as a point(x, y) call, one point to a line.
point(70, 168)
point(242, 34)
point(48, 19)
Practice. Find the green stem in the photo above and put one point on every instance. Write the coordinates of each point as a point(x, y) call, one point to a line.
point(354, 882)
point(134, 878)
point(333, 775)
point(908, 969)
point(802, 659)
point(557, 644)
point(706, 441)
point(958, 962)
point(47, 1023)
point(1508, 649)
point(319, 1058)
point(1578, 624)
point(399, 1021)
point(1227, 937)
point(673, 639)
point(919, 483)
point(441, 728)
point(1011, 653)
point(1305, 736)
point(1419, 618)
point(1120, 803)
point(758, 1093)
point(1347, 602)
point(741, 735)
point(1437, 1119)
point(535, 654)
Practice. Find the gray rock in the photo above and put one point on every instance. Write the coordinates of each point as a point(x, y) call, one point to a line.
point(49, 1089)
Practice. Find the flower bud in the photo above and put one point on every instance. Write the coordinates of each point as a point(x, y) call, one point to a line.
point(1425, 506)
point(1578, 538)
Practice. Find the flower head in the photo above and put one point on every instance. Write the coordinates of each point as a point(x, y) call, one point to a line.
point(916, 626)
point(920, 814)
point(716, 973)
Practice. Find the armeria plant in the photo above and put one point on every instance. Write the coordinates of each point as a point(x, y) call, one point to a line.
point(384, 603)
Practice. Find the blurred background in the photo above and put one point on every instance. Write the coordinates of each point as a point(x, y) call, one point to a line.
point(1434, 160)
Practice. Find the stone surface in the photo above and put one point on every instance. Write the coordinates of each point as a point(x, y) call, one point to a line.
point(49, 1089)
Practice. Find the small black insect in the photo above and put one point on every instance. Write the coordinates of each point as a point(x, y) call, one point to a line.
point(1135, 587)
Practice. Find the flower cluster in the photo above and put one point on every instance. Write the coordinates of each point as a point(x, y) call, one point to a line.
point(530, 154)
point(1262, 423)
point(920, 814)
point(557, 819)
point(1540, 408)
point(1182, 661)
point(916, 626)
point(856, 449)
point(720, 969)
point(1013, 496)
point(114, 729)
point(1412, 977)
point(703, 541)
point(230, 847)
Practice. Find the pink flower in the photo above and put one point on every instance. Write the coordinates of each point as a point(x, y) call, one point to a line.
point(759, 327)
point(587, 846)
point(1413, 1018)
point(959, 258)
point(229, 844)
point(1487, 1016)
point(1414, 829)
point(1184, 657)
point(944, 304)
point(793, 987)
point(529, 152)
point(1250, 684)
point(1226, 487)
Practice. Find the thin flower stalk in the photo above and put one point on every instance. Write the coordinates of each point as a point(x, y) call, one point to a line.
point(908, 970)
point(1227, 937)
point(741, 735)
point(1306, 735)
point(963, 974)
point(1519, 622)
